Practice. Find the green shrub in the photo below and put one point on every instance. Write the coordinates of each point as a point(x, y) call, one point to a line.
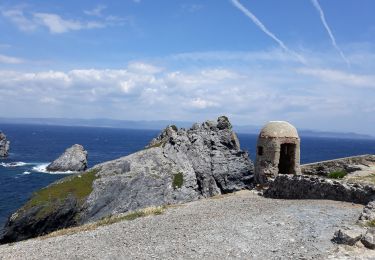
point(178, 180)
point(337, 174)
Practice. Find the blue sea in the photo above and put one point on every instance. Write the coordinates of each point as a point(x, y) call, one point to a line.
point(34, 146)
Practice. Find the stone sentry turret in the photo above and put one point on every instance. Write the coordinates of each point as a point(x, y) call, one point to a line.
point(278, 151)
point(4, 145)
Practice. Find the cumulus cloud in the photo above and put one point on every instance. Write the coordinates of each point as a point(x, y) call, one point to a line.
point(248, 93)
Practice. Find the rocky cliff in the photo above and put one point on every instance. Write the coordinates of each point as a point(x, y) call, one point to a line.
point(73, 159)
point(4, 145)
point(178, 166)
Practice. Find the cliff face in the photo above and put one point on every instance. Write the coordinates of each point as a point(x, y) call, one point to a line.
point(4, 145)
point(178, 166)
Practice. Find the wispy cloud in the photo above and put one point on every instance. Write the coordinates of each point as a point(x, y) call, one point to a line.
point(340, 77)
point(328, 29)
point(10, 60)
point(55, 23)
point(97, 11)
point(261, 26)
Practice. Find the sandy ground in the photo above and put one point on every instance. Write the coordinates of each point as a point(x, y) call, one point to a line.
point(242, 225)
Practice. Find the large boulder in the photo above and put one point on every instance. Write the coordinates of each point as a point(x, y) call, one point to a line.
point(177, 166)
point(4, 145)
point(73, 159)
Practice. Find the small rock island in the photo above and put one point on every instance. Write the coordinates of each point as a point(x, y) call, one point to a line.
point(74, 159)
point(4, 145)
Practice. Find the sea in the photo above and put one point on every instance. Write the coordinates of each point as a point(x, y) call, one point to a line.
point(34, 146)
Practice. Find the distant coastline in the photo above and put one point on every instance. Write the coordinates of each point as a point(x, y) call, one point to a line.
point(161, 124)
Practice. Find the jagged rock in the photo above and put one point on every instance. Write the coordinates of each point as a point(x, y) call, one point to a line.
point(4, 145)
point(178, 166)
point(368, 240)
point(73, 159)
point(348, 236)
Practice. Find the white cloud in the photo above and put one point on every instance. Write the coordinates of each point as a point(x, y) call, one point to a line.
point(340, 77)
point(10, 60)
point(18, 17)
point(202, 103)
point(250, 92)
point(97, 11)
point(27, 20)
point(144, 68)
point(56, 24)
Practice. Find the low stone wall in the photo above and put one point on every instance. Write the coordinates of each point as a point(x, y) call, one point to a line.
point(313, 187)
point(348, 164)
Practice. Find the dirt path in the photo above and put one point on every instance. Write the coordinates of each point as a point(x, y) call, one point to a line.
point(243, 225)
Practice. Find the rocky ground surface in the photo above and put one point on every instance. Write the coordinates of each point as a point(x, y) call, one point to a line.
point(238, 225)
point(365, 175)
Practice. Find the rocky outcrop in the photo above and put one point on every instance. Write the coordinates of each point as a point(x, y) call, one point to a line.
point(348, 235)
point(347, 164)
point(73, 159)
point(178, 166)
point(311, 187)
point(4, 145)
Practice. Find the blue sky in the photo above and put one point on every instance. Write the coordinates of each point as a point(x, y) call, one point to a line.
point(309, 62)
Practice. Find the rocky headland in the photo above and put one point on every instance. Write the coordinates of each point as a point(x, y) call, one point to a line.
point(74, 159)
point(318, 214)
point(178, 166)
point(4, 145)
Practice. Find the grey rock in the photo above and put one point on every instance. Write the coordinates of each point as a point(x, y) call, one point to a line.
point(368, 213)
point(312, 187)
point(348, 236)
point(177, 166)
point(73, 159)
point(368, 240)
point(4, 145)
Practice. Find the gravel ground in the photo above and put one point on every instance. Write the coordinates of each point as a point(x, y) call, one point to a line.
point(242, 225)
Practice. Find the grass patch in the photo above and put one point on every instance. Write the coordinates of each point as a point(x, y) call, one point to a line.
point(158, 144)
point(151, 211)
point(337, 174)
point(178, 180)
point(370, 223)
point(78, 186)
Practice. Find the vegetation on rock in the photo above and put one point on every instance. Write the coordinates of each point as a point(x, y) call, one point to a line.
point(78, 186)
point(337, 174)
point(178, 180)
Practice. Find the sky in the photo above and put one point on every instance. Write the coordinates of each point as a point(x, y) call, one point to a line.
point(309, 62)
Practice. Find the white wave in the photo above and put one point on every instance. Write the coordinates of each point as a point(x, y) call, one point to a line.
point(26, 172)
point(14, 164)
point(43, 168)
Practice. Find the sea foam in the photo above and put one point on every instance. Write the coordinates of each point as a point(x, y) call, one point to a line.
point(43, 168)
point(14, 164)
